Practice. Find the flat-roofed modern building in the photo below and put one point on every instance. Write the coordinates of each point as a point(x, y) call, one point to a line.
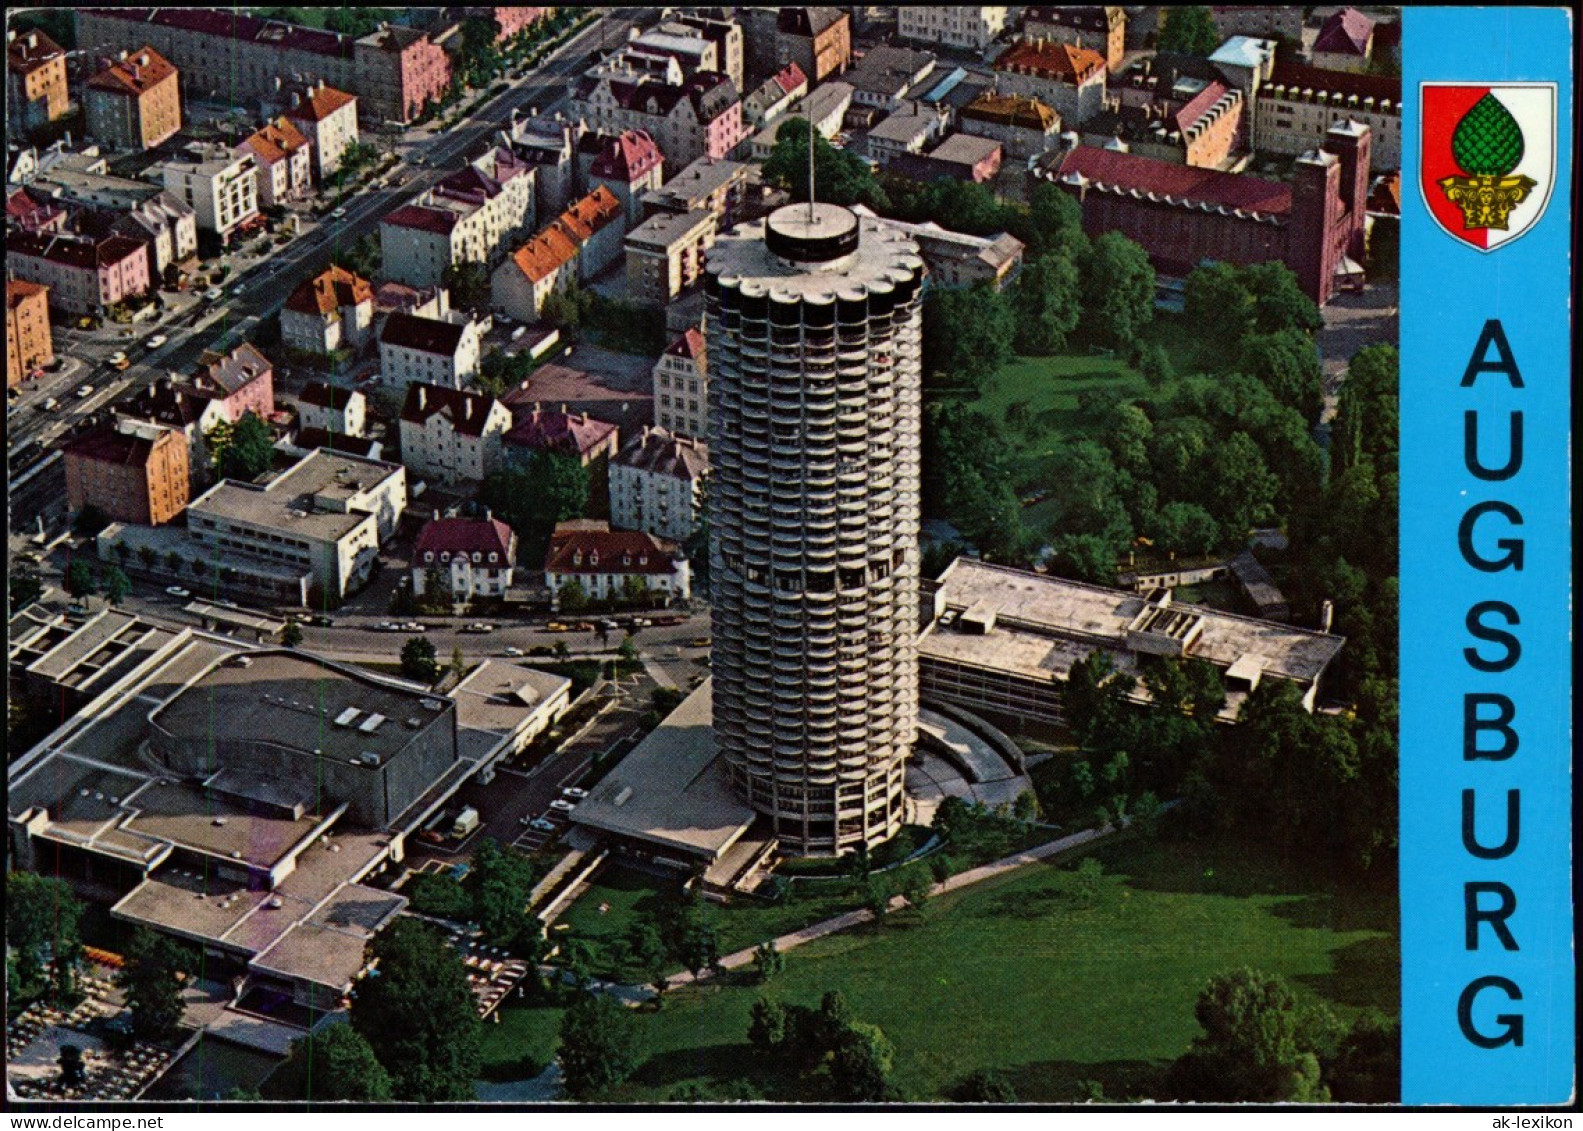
point(326, 515)
point(814, 326)
point(1003, 641)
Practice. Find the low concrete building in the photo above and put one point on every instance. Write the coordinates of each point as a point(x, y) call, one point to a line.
point(1002, 641)
point(615, 565)
point(464, 558)
point(503, 706)
point(956, 259)
point(438, 351)
point(657, 484)
point(332, 408)
point(961, 157)
point(665, 255)
point(334, 310)
point(452, 435)
point(327, 514)
point(681, 386)
point(910, 129)
point(716, 186)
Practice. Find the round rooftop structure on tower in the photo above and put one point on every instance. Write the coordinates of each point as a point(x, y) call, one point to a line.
point(812, 233)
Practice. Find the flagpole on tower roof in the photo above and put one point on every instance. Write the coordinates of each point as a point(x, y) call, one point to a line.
point(810, 169)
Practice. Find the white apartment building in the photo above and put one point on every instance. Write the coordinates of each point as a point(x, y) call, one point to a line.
point(328, 118)
point(283, 157)
point(607, 563)
point(332, 408)
point(331, 311)
point(438, 351)
point(466, 557)
point(327, 515)
point(657, 484)
point(681, 386)
point(221, 186)
point(451, 435)
point(949, 25)
point(472, 216)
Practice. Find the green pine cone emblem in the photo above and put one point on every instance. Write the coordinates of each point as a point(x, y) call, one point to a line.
point(1487, 142)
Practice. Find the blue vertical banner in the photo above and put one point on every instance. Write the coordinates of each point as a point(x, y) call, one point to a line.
point(1488, 987)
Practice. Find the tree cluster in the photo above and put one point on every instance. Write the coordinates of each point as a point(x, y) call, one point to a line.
point(533, 496)
point(419, 1016)
point(601, 1045)
point(1261, 1044)
point(856, 1056)
point(42, 939)
point(841, 176)
point(244, 450)
point(151, 980)
point(497, 886)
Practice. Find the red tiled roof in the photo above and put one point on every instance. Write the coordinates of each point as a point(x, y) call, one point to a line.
point(18, 289)
point(330, 290)
point(319, 102)
point(591, 213)
point(574, 434)
point(608, 551)
point(558, 242)
point(30, 50)
point(1125, 172)
point(22, 207)
point(790, 77)
point(447, 536)
point(689, 345)
point(1057, 60)
point(139, 72)
point(1303, 77)
point(1345, 33)
point(1199, 105)
point(273, 141)
point(627, 157)
point(467, 412)
point(437, 220)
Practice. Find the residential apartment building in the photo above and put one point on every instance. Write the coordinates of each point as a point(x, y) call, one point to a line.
point(33, 212)
point(332, 408)
point(1069, 79)
point(325, 516)
point(36, 91)
point(283, 158)
point(465, 557)
point(438, 351)
point(221, 186)
point(612, 564)
point(884, 77)
point(910, 129)
point(328, 119)
point(167, 224)
point(962, 27)
point(1023, 126)
point(135, 102)
point(333, 310)
point(393, 71)
point(1260, 21)
point(706, 184)
point(84, 275)
point(452, 435)
point(471, 216)
point(134, 472)
point(1098, 28)
point(817, 39)
point(576, 245)
point(665, 254)
point(552, 146)
point(537, 429)
point(695, 117)
point(657, 484)
point(237, 383)
point(681, 386)
point(629, 164)
point(773, 97)
point(1299, 104)
point(28, 346)
point(726, 34)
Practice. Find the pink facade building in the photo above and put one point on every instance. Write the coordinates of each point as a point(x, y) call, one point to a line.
point(236, 383)
point(400, 70)
point(84, 275)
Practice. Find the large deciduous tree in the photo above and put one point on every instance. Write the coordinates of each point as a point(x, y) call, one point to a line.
point(601, 1045)
point(341, 1067)
point(1253, 1048)
point(1118, 292)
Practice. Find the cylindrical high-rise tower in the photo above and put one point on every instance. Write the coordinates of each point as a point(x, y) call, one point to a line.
point(814, 327)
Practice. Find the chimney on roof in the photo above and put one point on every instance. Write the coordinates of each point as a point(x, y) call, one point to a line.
point(436, 514)
point(423, 397)
point(489, 514)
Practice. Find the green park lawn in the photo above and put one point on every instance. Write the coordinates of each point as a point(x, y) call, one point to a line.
point(1018, 974)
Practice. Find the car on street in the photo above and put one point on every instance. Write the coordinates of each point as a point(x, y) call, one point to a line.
point(119, 360)
point(513, 651)
point(574, 793)
point(414, 626)
point(584, 626)
point(557, 626)
point(214, 294)
point(641, 622)
point(319, 620)
point(156, 341)
point(478, 627)
point(338, 214)
point(561, 806)
point(702, 641)
point(608, 625)
point(387, 626)
point(177, 591)
point(51, 404)
point(84, 392)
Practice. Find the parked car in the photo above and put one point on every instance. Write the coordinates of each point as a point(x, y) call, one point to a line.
point(557, 626)
point(414, 626)
point(156, 341)
point(51, 404)
point(702, 641)
point(513, 651)
point(573, 792)
point(387, 626)
point(584, 626)
point(177, 591)
point(214, 294)
point(479, 627)
point(338, 214)
point(562, 806)
point(541, 825)
point(119, 360)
